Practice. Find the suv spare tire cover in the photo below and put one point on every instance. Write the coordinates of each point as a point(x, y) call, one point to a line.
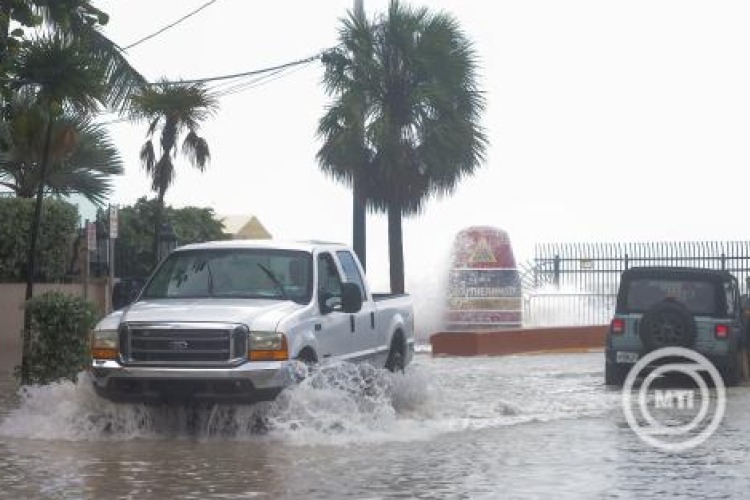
point(668, 323)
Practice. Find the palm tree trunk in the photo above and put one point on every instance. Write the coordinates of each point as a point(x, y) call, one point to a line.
point(31, 257)
point(359, 225)
point(396, 249)
point(5, 10)
point(157, 222)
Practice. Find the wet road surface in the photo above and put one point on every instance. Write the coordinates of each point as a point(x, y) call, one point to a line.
point(512, 427)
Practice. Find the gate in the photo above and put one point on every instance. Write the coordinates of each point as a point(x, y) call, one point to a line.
point(576, 283)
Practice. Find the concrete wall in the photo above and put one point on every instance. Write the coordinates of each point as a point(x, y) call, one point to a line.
point(525, 340)
point(11, 314)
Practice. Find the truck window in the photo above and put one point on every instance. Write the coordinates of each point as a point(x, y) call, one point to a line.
point(234, 273)
point(329, 281)
point(351, 271)
point(698, 296)
point(731, 298)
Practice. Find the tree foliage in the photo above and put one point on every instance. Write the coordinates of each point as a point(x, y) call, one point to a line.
point(136, 232)
point(58, 229)
point(172, 110)
point(59, 337)
point(405, 115)
point(83, 158)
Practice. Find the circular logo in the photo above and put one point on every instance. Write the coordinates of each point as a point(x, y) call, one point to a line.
point(674, 436)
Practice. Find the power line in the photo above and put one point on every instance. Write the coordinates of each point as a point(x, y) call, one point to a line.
point(245, 73)
point(172, 25)
point(259, 82)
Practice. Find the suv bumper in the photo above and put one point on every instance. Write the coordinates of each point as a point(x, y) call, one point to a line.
point(249, 382)
point(720, 361)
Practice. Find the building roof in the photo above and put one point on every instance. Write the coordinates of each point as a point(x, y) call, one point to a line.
point(245, 227)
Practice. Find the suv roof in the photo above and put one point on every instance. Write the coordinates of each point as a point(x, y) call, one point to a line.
point(678, 272)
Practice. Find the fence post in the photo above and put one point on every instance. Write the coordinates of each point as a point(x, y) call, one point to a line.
point(627, 262)
point(556, 271)
point(723, 262)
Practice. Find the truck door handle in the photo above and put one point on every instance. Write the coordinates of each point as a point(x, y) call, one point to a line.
point(372, 320)
point(318, 327)
point(351, 322)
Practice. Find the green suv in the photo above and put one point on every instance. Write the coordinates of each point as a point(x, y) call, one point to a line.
point(676, 306)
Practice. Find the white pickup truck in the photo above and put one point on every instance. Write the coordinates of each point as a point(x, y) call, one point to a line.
point(238, 321)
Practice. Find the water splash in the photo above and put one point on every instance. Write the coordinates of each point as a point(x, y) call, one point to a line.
point(338, 404)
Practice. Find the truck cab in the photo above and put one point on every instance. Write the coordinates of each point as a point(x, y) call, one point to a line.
point(235, 320)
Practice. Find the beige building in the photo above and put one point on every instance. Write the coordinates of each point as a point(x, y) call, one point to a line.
point(245, 227)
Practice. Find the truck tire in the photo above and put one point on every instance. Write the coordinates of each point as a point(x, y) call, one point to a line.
point(667, 324)
point(307, 361)
point(396, 361)
point(615, 375)
point(732, 373)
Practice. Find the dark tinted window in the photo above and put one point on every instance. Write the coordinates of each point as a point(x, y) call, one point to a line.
point(698, 296)
point(351, 271)
point(329, 281)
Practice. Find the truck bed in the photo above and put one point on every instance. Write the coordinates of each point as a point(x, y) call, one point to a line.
point(378, 297)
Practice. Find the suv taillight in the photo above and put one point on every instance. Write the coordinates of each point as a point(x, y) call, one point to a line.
point(617, 326)
point(722, 331)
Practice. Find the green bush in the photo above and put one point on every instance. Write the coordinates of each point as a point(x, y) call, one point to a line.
point(58, 228)
point(58, 345)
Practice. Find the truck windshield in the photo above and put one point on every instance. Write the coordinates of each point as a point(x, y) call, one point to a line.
point(698, 296)
point(234, 273)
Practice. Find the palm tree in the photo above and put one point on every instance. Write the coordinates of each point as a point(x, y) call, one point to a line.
point(344, 155)
point(82, 156)
point(61, 77)
point(77, 19)
point(174, 109)
point(82, 21)
point(414, 71)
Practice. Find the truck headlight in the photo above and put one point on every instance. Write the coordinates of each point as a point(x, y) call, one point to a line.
point(104, 344)
point(267, 346)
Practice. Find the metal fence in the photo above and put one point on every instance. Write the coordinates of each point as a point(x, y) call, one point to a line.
point(576, 284)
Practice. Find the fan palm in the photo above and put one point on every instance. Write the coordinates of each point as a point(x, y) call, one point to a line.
point(80, 20)
point(82, 157)
point(405, 117)
point(173, 110)
point(61, 77)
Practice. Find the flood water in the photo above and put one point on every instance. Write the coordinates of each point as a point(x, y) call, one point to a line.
point(510, 427)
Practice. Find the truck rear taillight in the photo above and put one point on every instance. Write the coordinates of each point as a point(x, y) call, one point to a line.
point(617, 326)
point(722, 331)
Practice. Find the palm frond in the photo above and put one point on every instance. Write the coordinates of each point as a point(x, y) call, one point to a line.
point(83, 157)
point(148, 157)
point(195, 148)
point(61, 74)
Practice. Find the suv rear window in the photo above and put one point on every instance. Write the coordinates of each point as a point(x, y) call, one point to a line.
point(698, 296)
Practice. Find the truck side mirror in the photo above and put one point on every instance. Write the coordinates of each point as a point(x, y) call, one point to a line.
point(351, 298)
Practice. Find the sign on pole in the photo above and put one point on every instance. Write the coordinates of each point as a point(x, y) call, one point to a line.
point(91, 236)
point(113, 221)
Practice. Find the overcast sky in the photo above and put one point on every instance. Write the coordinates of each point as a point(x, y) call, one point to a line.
point(607, 121)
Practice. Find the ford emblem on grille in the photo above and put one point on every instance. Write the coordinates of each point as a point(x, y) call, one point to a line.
point(178, 345)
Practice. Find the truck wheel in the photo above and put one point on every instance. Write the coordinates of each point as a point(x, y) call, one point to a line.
point(396, 361)
point(306, 361)
point(615, 374)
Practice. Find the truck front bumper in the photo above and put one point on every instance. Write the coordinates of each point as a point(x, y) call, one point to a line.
point(249, 382)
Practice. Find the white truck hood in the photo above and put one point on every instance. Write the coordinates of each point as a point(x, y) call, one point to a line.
point(256, 314)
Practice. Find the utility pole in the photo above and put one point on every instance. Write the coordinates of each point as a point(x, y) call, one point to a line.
point(359, 220)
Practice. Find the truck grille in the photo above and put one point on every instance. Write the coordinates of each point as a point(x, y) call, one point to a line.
point(165, 344)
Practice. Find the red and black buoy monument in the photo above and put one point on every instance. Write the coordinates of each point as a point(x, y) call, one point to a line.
point(484, 310)
point(484, 289)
